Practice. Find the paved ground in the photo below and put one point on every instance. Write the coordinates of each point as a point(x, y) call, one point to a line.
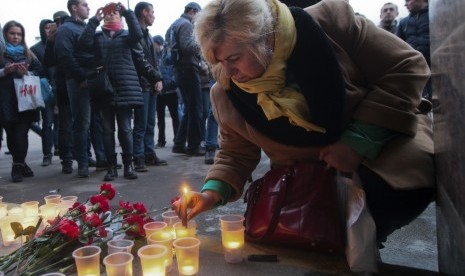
point(409, 251)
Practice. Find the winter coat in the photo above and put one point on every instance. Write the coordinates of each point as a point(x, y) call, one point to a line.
point(147, 63)
point(72, 59)
point(414, 29)
point(9, 104)
point(382, 89)
point(189, 48)
point(115, 53)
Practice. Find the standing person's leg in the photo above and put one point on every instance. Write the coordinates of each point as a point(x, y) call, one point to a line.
point(211, 138)
point(65, 138)
point(107, 115)
point(161, 104)
point(80, 109)
point(96, 135)
point(123, 118)
point(191, 85)
point(18, 144)
point(56, 129)
point(205, 107)
point(140, 126)
point(172, 103)
point(47, 134)
point(151, 157)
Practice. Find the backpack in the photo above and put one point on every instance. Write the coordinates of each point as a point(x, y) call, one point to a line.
point(172, 53)
point(167, 70)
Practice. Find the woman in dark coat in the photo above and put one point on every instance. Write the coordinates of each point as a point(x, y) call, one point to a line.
point(16, 61)
point(113, 48)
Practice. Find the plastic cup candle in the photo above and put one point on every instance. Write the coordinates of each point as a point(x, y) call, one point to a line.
point(30, 208)
point(154, 226)
point(3, 210)
point(8, 236)
point(233, 244)
point(52, 199)
point(187, 255)
point(54, 274)
point(152, 259)
point(87, 260)
point(119, 264)
point(170, 218)
point(185, 231)
point(232, 222)
point(165, 239)
point(66, 203)
point(16, 213)
point(120, 246)
point(49, 211)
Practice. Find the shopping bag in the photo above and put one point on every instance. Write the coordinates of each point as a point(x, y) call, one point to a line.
point(28, 93)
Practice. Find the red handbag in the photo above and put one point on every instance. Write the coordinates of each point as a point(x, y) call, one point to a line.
point(295, 207)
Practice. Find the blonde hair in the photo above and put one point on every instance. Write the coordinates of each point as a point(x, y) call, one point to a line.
point(248, 22)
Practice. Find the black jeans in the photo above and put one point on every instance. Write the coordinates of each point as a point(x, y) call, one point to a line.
point(17, 140)
point(391, 209)
point(169, 100)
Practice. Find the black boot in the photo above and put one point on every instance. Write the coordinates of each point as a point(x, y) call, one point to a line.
point(129, 172)
point(17, 172)
point(112, 171)
point(210, 155)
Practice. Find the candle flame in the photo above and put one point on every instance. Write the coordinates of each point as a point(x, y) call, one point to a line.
point(185, 189)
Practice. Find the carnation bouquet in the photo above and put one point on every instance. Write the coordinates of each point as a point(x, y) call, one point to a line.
point(50, 248)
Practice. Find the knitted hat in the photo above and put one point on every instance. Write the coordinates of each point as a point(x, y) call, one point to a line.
point(158, 39)
point(193, 5)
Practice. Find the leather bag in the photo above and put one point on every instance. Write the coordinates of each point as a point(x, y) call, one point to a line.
point(101, 89)
point(295, 207)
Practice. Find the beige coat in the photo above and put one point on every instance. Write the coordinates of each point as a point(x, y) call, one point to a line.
point(384, 78)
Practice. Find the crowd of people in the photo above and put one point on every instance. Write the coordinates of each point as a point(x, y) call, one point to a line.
point(144, 78)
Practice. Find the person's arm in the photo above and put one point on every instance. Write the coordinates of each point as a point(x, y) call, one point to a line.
point(135, 31)
point(86, 39)
point(186, 41)
point(143, 66)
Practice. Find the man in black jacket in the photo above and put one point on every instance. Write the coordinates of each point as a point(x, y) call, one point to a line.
point(188, 78)
point(414, 29)
point(151, 83)
point(75, 63)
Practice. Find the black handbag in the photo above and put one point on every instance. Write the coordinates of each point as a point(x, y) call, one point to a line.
point(101, 89)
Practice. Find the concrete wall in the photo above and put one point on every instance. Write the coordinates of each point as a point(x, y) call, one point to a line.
point(447, 30)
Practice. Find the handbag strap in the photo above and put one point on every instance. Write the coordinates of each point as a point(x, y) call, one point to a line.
point(279, 204)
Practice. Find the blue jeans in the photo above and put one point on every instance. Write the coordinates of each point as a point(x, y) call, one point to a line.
point(190, 128)
point(211, 134)
point(47, 129)
point(123, 118)
point(144, 126)
point(80, 109)
point(65, 133)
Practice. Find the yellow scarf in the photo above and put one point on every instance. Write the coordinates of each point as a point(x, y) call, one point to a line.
point(275, 99)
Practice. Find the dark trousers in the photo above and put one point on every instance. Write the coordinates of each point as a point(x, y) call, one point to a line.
point(391, 209)
point(169, 100)
point(123, 118)
point(65, 132)
point(17, 140)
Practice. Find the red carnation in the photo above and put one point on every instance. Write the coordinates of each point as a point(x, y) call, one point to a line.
point(77, 209)
point(139, 208)
point(124, 208)
point(102, 232)
point(68, 228)
point(107, 190)
point(100, 204)
point(134, 225)
point(94, 220)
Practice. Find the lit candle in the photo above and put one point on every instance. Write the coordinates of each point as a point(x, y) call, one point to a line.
point(87, 259)
point(8, 235)
point(187, 269)
point(233, 243)
point(3, 210)
point(49, 211)
point(187, 255)
point(185, 231)
point(152, 259)
point(16, 212)
point(30, 208)
point(185, 190)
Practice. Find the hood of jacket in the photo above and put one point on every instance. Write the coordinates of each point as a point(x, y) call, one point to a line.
point(43, 35)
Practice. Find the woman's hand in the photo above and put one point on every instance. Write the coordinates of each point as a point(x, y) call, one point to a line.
point(9, 68)
point(99, 14)
point(196, 202)
point(21, 68)
point(121, 8)
point(341, 157)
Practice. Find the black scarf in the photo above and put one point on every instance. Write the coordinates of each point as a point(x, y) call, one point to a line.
point(313, 66)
